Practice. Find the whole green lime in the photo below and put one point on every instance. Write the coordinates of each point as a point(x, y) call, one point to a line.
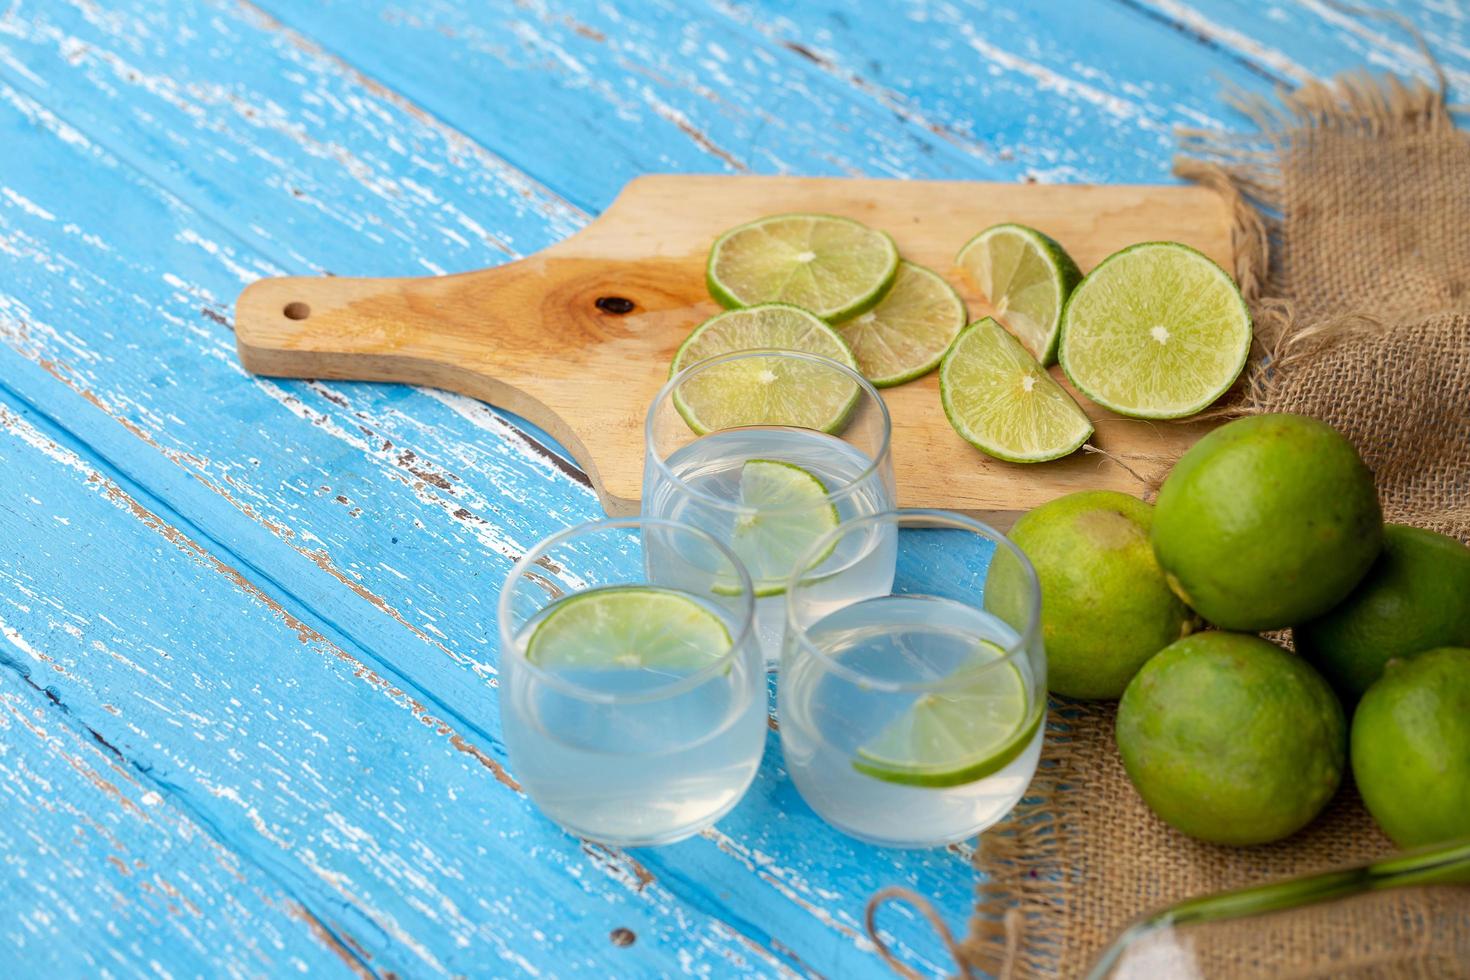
point(1232, 739)
point(1411, 747)
point(1267, 522)
point(1105, 607)
point(1415, 597)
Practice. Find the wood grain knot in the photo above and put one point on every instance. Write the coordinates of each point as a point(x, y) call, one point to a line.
point(616, 305)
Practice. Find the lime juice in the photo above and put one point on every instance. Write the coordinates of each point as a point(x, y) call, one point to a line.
point(629, 716)
point(769, 492)
point(909, 719)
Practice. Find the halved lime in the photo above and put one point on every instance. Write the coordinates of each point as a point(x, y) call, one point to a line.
point(973, 728)
point(906, 334)
point(629, 626)
point(783, 511)
point(1156, 331)
point(1027, 278)
point(764, 390)
point(835, 267)
point(1004, 403)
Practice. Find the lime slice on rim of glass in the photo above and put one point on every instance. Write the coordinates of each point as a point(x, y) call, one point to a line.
point(974, 727)
point(769, 390)
point(906, 334)
point(835, 267)
point(783, 511)
point(1002, 402)
point(629, 626)
point(1156, 331)
point(1026, 277)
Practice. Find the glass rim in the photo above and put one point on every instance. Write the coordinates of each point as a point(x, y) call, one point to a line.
point(898, 517)
point(873, 469)
point(525, 566)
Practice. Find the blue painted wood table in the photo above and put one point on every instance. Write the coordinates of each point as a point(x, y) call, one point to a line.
point(247, 660)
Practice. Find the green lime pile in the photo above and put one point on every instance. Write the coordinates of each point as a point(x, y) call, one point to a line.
point(1268, 523)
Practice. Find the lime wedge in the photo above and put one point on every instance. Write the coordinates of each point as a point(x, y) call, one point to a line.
point(835, 267)
point(1027, 278)
point(764, 390)
point(783, 511)
point(1156, 331)
point(629, 626)
point(981, 721)
point(1002, 402)
point(906, 334)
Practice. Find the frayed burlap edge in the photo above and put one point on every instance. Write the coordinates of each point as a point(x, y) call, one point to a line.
point(1244, 169)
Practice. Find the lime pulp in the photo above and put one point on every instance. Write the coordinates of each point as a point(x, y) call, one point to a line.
point(629, 627)
point(835, 267)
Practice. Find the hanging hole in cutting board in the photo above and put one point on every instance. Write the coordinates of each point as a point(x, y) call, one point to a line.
point(297, 311)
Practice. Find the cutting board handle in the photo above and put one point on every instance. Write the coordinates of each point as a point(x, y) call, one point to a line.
point(516, 336)
point(299, 326)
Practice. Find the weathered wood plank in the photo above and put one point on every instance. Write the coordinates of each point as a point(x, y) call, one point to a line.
point(936, 89)
point(224, 444)
point(106, 876)
point(405, 837)
point(1311, 38)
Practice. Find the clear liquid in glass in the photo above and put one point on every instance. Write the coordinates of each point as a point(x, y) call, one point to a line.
point(827, 717)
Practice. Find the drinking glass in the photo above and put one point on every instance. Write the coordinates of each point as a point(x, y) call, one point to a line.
point(914, 718)
point(639, 715)
point(767, 450)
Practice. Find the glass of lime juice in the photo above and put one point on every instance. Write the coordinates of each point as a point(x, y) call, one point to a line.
point(914, 718)
point(768, 451)
point(632, 693)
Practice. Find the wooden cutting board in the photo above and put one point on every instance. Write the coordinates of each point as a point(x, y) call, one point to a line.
point(578, 338)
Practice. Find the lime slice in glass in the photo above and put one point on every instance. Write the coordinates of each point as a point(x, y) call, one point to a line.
point(765, 390)
point(629, 627)
point(783, 511)
point(1026, 277)
point(906, 334)
point(1002, 402)
point(835, 267)
point(1157, 331)
point(979, 721)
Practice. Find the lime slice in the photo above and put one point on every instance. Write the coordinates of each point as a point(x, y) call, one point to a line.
point(981, 721)
point(1156, 331)
point(629, 626)
point(783, 511)
point(764, 390)
point(907, 333)
point(835, 267)
point(1002, 402)
point(1027, 278)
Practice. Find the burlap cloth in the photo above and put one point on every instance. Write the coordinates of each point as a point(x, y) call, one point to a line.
point(1352, 231)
